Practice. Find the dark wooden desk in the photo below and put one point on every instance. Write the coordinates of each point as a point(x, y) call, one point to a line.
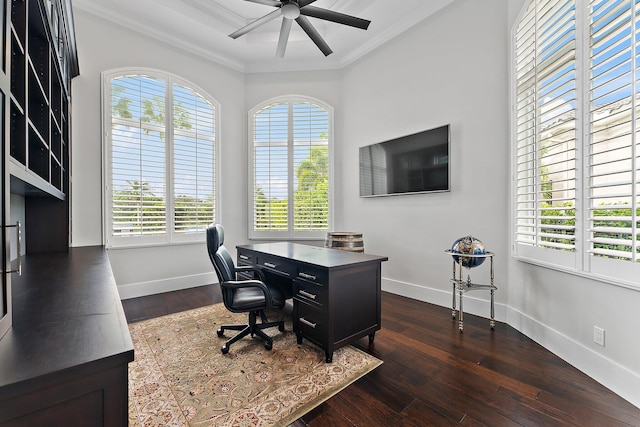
point(64, 361)
point(336, 294)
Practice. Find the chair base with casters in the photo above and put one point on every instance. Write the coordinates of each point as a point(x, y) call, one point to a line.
point(254, 328)
point(244, 290)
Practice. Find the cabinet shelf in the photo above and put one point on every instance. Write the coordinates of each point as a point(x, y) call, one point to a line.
point(26, 183)
point(18, 134)
point(19, 19)
point(17, 72)
point(41, 35)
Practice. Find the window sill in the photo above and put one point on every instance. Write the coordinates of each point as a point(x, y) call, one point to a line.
point(154, 245)
point(583, 274)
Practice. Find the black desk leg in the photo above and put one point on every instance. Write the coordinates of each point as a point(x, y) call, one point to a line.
point(329, 356)
point(372, 336)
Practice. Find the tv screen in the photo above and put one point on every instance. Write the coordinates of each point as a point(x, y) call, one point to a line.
point(416, 163)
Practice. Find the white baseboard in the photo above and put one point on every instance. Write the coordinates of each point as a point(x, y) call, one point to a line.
point(134, 290)
point(607, 372)
point(472, 303)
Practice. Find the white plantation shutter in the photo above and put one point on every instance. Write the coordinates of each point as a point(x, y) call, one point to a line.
point(193, 161)
point(310, 149)
point(160, 172)
point(613, 149)
point(290, 173)
point(545, 122)
point(271, 168)
point(576, 121)
point(138, 163)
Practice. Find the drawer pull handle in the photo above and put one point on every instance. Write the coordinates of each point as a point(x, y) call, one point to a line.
point(306, 322)
point(244, 257)
point(268, 264)
point(307, 276)
point(18, 270)
point(307, 294)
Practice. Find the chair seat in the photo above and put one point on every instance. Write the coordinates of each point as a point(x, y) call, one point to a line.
point(247, 299)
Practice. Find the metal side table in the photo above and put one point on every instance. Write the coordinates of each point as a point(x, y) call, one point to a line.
point(462, 286)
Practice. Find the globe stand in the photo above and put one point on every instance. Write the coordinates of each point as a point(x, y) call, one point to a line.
point(461, 286)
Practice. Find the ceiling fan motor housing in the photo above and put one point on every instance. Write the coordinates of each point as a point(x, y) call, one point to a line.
point(299, 10)
point(290, 10)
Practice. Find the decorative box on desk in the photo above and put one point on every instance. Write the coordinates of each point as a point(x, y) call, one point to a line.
point(461, 285)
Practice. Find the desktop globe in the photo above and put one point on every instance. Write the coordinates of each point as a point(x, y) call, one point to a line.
point(468, 245)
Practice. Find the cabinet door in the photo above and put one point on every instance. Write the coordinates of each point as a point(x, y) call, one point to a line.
point(5, 291)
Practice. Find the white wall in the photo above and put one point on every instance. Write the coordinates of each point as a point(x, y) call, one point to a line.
point(559, 311)
point(104, 46)
point(452, 68)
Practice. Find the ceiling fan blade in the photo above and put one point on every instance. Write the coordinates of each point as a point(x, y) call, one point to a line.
point(330, 15)
point(273, 3)
point(303, 3)
point(257, 23)
point(314, 35)
point(285, 29)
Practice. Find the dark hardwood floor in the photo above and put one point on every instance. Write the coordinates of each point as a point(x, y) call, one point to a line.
point(433, 375)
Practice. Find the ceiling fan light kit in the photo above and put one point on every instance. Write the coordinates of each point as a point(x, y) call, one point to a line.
point(298, 10)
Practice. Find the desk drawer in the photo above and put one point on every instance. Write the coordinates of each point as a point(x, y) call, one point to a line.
point(310, 292)
point(245, 258)
point(309, 322)
point(314, 275)
point(275, 265)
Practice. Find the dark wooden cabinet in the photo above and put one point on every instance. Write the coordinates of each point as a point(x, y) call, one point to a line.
point(43, 60)
point(336, 294)
point(38, 60)
point(5, 90)
point(64, 361)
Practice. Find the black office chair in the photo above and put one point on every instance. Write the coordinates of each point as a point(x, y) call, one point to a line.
point(245, 295)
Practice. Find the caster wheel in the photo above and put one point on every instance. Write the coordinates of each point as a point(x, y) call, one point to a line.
point(220, 332)
point(224, 349)
point(268, 345)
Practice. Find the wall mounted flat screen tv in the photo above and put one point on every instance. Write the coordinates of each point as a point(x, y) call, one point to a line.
point(416, 163)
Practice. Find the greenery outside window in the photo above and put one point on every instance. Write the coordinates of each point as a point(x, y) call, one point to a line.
point(290, 169)
point(160, 157)
point(576, 137)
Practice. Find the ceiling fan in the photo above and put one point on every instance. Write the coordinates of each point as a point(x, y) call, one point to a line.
point(299, 10)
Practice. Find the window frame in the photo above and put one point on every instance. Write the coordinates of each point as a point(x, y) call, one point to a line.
point(580, 262)
point(288, 234)
point(169, 237)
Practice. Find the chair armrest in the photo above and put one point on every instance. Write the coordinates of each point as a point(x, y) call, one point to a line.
point(256, 269)
point(235, 284)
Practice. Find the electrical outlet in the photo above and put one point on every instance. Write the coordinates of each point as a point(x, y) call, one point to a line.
point(598, 335)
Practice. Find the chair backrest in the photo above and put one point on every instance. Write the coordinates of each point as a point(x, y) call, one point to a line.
point(219, 255)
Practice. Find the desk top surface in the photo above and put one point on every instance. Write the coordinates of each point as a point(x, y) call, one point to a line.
point(313, 255)
point(67, 314)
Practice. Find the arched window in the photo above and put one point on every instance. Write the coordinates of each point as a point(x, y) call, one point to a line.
point(290, 169)
point(576, 141)
point(160, 138)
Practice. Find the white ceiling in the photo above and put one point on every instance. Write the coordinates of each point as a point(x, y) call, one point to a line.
point(203, 27)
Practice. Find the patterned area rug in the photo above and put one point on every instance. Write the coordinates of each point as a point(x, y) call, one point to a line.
point(180, 377)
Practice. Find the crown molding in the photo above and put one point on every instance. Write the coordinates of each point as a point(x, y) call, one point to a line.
point(223, 18)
